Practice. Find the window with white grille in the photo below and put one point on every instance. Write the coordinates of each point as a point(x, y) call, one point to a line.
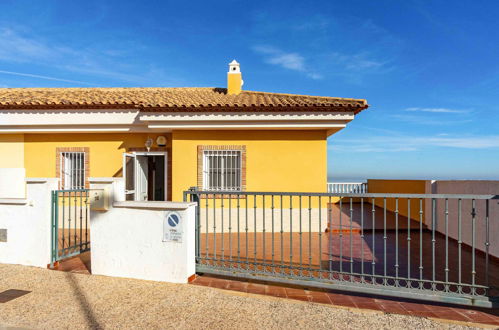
point(222, 170)
point(72, 170)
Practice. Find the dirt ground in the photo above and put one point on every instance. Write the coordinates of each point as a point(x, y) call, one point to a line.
point(68, 300)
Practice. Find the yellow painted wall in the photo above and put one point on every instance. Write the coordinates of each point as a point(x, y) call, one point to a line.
point(11, 151)
point(106, 151)
point(287, 161)
point(400, 187)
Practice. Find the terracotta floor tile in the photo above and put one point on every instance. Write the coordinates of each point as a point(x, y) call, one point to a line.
point(368, 305)
point(299, 297)
point(480, 317)
point(452, 315)
point(423, 314)
point(237, 286)
point(341, 301)
point(363, 300)
point(219, 283)
point(319, 297)
point(415, 307)
point(256, 288)
point(295, 292)
point(202, 280)
point(275, 291)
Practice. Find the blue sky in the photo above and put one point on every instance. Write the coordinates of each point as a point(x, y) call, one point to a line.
point(429, 69)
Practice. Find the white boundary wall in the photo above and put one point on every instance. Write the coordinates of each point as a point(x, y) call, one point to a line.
point(127, 240)
point(28, 225)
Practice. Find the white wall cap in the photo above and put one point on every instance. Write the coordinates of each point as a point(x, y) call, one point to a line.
point(17, 201)
point(154, 205)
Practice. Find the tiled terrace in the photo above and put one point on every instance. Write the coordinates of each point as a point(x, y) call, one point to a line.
point(352, 250)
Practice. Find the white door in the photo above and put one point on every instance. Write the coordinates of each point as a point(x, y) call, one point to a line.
point(141, 178)
point(129, 175)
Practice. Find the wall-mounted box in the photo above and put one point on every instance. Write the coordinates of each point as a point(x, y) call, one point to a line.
point(99, 199)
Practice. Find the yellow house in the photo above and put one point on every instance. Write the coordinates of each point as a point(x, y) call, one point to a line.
point(165, 140)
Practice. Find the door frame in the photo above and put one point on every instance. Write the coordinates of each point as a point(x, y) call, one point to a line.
point(146, 153)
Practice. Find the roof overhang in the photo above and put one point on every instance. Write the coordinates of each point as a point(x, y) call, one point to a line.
point(134, 120)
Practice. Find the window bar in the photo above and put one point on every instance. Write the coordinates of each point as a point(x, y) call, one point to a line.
point(330, 243)
point(273, 250)
point(409, 241)
point(351, 240)
point(384, 240)
point(301, 238)
point(459, 241)
point(433, 241)
point(310, 234)
point(78, 171)
point(362, 239)
point(446, 245)
point(487, 242)
point(421, 243)
point(373, 262)
point(473, 272)
point(341, 240)
point(396, 241)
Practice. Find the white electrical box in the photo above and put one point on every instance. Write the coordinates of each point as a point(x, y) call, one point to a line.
point(99, 199)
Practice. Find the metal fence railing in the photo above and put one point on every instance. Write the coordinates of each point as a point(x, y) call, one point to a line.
point(70, 223)
point(432, 247)
point(347, 187)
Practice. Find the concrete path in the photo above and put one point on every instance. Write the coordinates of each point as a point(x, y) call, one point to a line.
point(68, 300)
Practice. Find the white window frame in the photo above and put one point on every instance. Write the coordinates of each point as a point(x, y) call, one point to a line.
point(136, 176)
point(228, 163)
point(73, 170)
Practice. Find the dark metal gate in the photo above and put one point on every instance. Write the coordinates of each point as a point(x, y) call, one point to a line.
point(430, 247)
point(70, 223)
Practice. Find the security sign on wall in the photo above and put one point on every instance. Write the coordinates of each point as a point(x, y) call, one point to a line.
point(172, 228)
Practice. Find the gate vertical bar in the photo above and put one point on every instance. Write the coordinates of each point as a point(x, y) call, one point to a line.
point(487, 243)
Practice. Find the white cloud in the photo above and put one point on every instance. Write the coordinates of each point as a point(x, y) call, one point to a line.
point(436, 110)
point(20, 49)
point(409, 143)
point(356, 62)
point(290, 61)
point(287, 60)
point(424, 120)
point(42, 77)
point(25, 46)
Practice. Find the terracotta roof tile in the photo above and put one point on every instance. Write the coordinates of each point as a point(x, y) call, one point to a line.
point(171, 99)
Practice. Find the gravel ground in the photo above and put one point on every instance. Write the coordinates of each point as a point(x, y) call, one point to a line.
point(67, 300)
